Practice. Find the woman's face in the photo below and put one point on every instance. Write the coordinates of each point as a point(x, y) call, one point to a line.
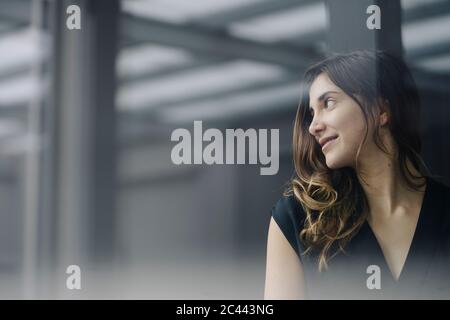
point(335, 114)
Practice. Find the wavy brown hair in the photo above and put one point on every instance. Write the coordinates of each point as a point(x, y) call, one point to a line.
point(334, 202)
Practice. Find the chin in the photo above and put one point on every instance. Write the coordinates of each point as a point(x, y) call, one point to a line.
point(333, 163)
point(332, 166)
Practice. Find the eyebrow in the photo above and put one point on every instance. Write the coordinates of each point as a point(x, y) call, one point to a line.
point(321, 98)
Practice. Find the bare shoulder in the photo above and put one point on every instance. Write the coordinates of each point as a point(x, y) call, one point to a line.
point(284, 270)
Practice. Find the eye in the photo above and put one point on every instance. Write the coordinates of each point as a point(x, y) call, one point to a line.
point(329, 102)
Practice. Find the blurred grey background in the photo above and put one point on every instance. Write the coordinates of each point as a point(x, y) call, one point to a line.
point(86, 117)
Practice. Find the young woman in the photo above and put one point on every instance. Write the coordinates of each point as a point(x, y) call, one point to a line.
point(362, 217)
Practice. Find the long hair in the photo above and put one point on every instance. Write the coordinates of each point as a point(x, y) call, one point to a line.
point(334, 202)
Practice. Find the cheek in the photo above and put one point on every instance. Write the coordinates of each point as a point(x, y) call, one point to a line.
point(352, 131)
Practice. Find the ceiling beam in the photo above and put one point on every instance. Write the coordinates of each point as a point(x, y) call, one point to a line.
point(426, 11)
point(198, 62)
point(428, 51)
point(198, 40)
point(223, 18)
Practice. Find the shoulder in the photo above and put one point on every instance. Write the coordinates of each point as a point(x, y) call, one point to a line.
point(439, 189)
point(439, 200)
point(438, 181)
point(288, 211)
point(288, 206)
point(289, 216)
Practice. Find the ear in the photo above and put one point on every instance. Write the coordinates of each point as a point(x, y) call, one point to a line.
point(384, 118)
point(384, 113)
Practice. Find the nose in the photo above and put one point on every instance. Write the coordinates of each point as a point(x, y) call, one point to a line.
point(315, 127)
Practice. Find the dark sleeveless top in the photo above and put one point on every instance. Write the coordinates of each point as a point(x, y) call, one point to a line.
point(350, 275)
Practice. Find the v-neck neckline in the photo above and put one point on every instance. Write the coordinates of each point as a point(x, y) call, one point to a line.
point(418, 231)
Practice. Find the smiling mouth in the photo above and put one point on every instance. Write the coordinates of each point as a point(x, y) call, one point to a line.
point(328, 142)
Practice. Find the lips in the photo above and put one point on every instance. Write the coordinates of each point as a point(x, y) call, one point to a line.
point(327, 142)
point(323, 141)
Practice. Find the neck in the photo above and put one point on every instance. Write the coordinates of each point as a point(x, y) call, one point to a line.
point(386, 190)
